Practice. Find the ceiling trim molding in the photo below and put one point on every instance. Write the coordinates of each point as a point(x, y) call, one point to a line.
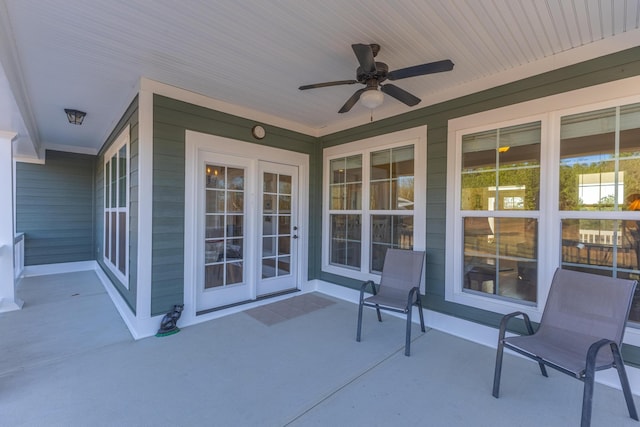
point(10, 61)
point(225, 107)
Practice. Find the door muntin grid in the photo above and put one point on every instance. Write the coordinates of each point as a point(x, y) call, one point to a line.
point(276, 225)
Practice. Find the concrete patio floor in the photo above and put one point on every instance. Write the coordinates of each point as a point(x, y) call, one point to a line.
point(68, 359)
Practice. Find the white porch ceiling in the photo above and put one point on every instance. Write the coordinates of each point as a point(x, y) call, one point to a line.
point(253, 54)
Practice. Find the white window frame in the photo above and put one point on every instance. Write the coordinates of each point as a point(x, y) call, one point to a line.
point(414, 136)
point(123, 140)
point(549, 111)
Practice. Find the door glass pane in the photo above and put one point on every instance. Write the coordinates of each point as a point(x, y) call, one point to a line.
point(235, 179)
point(284, 265)
point(213, 276)
point(268, 268)
point(235, 226)
point(224, 225)
point(214, 226)
point(284, 185)
point(276, 230)
point(215, 176)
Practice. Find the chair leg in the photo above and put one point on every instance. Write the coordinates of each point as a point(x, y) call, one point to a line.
point(420, 313)
point(407, 344)
point(359, 321)
point(587, 396)
point(498, 370)
point(624, 382)
point(378, 311)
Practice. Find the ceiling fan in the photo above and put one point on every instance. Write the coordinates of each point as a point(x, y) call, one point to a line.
point(371, 74)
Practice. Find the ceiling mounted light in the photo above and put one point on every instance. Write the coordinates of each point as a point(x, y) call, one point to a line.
point(372, 98)
point(75, 117)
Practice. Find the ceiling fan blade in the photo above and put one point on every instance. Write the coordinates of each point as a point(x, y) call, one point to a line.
point(400, 94)
point(420, 70)
point(352, 101)
point(336, 83)
point(364, 53)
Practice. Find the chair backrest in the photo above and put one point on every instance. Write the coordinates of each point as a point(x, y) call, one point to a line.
point(589, 304)
point(402, 269)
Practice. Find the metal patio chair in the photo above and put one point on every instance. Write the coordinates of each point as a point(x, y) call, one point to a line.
point(580, 332)
point(399, 289)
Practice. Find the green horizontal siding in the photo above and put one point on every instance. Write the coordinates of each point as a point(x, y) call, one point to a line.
point(54, 208)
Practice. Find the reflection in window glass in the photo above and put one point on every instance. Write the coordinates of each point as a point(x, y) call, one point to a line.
point(346, 240)
point(392, 179)
point(600, 172)
point(501, 257)
point(387, 232)
point(501, 169)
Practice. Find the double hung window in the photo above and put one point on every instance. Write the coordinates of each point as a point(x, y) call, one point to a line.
point(375, 195)
point(116, 207)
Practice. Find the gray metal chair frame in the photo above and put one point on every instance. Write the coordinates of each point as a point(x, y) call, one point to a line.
point(573, 331)
point(399, 289)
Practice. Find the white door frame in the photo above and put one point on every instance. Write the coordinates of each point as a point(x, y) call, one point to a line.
point(197, 143)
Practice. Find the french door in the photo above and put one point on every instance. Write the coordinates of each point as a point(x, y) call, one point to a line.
point(278, 228)
point(247, 230)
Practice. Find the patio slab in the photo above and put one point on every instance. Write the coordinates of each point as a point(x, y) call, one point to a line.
point(307, 370)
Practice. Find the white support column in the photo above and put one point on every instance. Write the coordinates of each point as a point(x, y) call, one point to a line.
point(8, 300)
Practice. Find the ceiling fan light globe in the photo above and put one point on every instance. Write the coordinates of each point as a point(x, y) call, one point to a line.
point(372, 98)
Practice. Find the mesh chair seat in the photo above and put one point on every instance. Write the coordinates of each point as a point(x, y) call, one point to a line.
point(565, 349)
point(390, 297)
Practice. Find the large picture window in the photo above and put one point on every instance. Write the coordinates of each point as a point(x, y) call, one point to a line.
point(541, 185)
point(374, 199)
point(116, 207)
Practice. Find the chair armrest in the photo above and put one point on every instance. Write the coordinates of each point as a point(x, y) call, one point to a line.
point(592, 353)
point(411, 295)
point(364, 286)
point(505, 321)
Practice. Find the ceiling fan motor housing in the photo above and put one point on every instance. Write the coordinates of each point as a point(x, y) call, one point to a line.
point(380, 73)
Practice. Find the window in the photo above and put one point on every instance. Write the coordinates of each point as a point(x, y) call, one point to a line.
point(544, 184)
point(116, 207)
point(599, 190)
point(375, 193)
point(499, 197)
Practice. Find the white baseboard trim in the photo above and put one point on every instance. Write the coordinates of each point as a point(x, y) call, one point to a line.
point(64, 267)
point(477, 333)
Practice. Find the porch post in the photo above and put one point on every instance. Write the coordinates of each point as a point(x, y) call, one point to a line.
point(8, 300)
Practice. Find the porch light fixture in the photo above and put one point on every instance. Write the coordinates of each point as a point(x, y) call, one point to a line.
point(75, 117)
point(372, 98)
